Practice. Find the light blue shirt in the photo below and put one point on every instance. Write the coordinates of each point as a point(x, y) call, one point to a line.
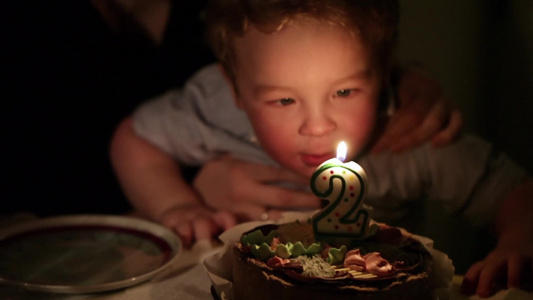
point(201, 121)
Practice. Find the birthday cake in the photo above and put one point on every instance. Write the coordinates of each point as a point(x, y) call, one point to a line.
point(336, 253)
point(286, 262)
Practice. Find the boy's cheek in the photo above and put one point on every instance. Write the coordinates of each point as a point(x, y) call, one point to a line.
point(359, 129)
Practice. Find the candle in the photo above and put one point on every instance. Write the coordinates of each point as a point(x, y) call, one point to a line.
point(343, 186)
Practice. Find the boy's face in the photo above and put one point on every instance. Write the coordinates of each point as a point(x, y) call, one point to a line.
point(305, 89)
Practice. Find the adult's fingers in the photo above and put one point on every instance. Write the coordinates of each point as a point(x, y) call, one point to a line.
point(449, 133)
point(404, 121)
point(433, 122)
point(471, 278)
point(284, 198)
point(516, 270)
point(488, 276)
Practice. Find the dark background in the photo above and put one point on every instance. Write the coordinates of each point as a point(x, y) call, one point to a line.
point(482, 53)
point(68, 80)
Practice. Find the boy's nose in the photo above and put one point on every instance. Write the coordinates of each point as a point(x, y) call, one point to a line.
point(317, 125)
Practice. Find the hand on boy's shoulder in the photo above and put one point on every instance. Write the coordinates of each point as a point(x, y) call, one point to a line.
point(423, 114)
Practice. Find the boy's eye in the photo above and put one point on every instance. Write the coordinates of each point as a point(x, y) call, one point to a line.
point(343, 93)
point(286, 101)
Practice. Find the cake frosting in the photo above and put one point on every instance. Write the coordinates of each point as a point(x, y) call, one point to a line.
point(285, 261)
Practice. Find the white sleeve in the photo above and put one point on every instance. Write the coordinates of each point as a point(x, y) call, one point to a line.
point(176, 131)
point(199, 122)
point(178, 122)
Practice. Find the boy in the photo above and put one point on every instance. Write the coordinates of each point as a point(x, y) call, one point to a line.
point(306, 75)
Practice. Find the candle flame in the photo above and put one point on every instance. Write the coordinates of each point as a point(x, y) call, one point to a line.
point(341, 151)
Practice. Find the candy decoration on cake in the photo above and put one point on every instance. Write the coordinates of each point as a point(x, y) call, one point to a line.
point(343, 186)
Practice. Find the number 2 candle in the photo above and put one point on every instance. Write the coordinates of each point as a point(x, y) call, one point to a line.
point(343, 186)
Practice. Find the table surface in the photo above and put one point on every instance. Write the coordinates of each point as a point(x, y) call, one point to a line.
point(187, 279)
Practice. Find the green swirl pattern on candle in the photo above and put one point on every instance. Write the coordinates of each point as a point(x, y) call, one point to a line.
point(343, 185)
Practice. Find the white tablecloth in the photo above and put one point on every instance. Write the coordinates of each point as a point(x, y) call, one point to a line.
point(187, 279)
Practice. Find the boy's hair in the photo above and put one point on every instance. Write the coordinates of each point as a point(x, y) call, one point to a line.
point(375, 22)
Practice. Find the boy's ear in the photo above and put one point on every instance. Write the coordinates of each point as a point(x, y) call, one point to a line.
point(231, 84)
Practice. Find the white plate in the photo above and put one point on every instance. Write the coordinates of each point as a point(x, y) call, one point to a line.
point(84, 253)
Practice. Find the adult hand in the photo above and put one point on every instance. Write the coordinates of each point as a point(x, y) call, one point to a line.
point(510, 264)
point(506, 267)
point(423, 114)
point(195, 222)
point(246, 189)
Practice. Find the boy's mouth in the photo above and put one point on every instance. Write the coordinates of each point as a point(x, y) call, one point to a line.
point(314, 160)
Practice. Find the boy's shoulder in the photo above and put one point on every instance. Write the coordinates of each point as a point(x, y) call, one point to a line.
point(209, 76)
point(463, 147)
point(468, 159)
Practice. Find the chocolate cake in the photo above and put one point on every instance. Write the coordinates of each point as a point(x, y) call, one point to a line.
point(286, 262)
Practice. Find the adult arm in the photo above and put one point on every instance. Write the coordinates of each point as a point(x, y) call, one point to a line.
point(512, 259)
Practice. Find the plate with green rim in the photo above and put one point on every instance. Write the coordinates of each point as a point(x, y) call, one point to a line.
point(84, 253)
